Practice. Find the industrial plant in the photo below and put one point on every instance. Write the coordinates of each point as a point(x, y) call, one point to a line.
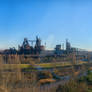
point(35, 48)
point(26, 48)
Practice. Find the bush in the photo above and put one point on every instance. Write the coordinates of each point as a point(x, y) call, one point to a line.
point(72, 86)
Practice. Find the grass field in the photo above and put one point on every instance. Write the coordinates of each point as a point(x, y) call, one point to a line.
point(42, 65)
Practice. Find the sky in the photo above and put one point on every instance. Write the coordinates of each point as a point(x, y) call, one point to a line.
point(53, 21)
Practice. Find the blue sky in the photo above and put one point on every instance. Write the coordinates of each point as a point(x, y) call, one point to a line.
point(52, 20)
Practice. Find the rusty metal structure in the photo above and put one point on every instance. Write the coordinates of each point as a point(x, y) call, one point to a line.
point(26, 48)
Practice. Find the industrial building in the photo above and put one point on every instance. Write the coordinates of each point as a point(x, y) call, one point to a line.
point(26, 48)
point(58, 51)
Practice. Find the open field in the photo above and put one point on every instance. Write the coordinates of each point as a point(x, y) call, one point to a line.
point(58, 64)
point(41, 65)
